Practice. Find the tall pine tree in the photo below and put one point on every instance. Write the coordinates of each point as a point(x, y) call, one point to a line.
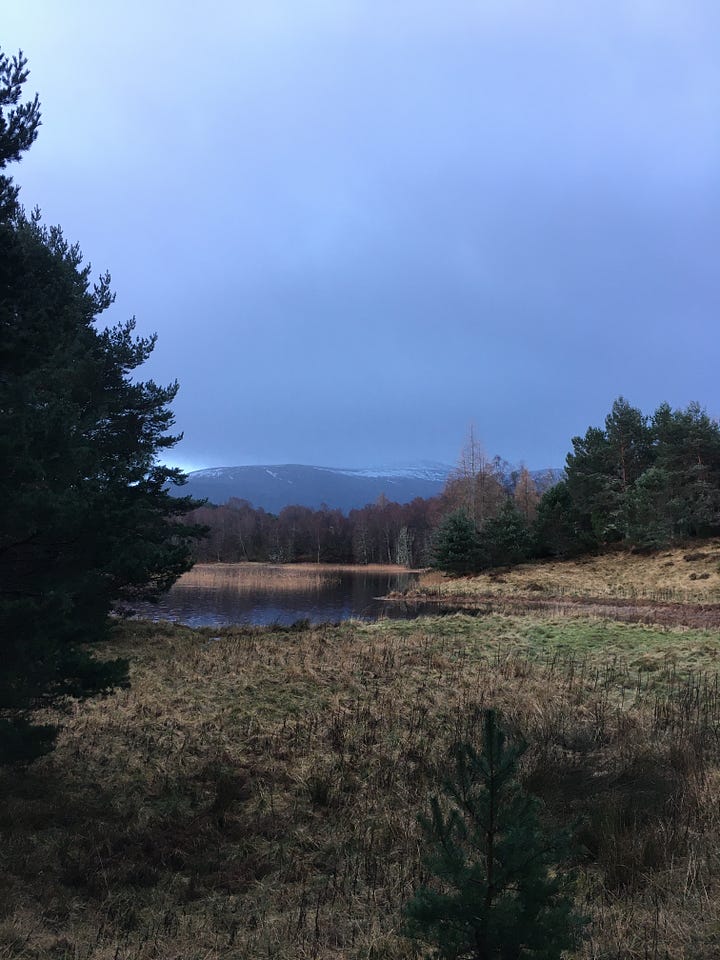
point(687, 444)
point(603, 468)
point(86, 519)
point(646, 481)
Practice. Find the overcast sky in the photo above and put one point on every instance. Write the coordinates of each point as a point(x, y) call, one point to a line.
point(357, 227)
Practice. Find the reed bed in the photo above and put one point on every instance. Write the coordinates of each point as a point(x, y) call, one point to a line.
point(255, 793)
point(253, 578)
point(272, 578)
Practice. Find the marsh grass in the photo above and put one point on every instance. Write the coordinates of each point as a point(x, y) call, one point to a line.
point(271, 578)
point(255, 793)
point(254, 577)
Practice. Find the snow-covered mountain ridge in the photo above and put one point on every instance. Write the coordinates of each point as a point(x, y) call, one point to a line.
point(274, 486)
point(422, 470)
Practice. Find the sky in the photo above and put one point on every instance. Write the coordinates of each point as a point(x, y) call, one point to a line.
point(359, 227)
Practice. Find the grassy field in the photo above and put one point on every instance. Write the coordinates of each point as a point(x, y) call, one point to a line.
point(255, 793)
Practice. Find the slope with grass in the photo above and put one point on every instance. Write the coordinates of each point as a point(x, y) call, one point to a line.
point(679, 586)
point(255, 793)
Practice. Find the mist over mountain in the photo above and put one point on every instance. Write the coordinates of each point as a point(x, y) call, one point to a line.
point(274, 486)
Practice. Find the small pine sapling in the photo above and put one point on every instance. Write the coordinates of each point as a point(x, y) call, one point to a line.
point(496, 893)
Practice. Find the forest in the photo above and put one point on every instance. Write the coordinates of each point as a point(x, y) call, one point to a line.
point(380, 532)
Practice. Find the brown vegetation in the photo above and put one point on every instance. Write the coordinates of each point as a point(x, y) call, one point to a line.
point(273, 578)
point(677, 575)
point(269, 579)
point(255, 793)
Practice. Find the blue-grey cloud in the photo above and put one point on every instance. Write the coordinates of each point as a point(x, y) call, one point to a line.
point(358, 226)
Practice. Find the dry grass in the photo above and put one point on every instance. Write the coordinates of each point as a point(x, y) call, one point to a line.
point(255, 793)
point(681, 575)
point(272, 578)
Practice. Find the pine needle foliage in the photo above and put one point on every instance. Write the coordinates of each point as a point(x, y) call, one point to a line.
point(495, 890)
point(86, 517)
point(456, 549)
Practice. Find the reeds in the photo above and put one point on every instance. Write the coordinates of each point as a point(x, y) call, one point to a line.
point(272, 578)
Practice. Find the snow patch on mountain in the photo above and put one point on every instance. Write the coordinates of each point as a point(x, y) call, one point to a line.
point(423, 470)
point(210, 473)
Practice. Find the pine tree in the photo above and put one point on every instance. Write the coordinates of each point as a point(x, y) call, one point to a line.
point(86, 519)
point(496, 892)
point(560, 530)
point(603, 468)
point(456, 546)
point(19, 124)
point(506, 539)
point(646, 482)
point(687, 446)
point(651, 512)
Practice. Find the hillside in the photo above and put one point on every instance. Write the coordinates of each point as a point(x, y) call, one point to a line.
point(678, 586)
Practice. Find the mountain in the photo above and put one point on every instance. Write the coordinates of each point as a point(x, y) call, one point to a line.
point(278, 485)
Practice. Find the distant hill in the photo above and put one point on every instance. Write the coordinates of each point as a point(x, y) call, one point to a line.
point(274, 486)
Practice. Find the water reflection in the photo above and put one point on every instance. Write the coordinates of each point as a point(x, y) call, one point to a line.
point(259, 594)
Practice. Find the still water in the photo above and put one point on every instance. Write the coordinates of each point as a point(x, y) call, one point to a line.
point(261, 594)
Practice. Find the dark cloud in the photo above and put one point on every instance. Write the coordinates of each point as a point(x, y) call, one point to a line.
point(357, 227)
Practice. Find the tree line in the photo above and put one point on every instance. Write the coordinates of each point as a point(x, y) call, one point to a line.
point(645, 481)
point(380, 532)
point(639, 481)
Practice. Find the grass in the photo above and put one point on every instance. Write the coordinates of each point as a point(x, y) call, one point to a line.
point(680, 575)
point(255, 793)
point(595, 642)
